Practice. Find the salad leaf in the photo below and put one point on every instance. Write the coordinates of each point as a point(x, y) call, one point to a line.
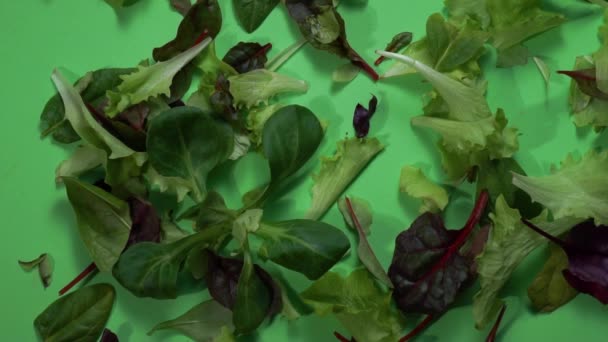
point(103, 221)
point(345, 73)
point(78, 316)
point(364, 250)
point(543, 68)
point(256, 120)
point(399, 41)
point(44, 264)
point(203, 323)
point(586, 81)
point(145, 222)
point(150, 81)
point(363, 116)
point(279, 59)
point(362, 211)
point(461, 10)
point(253, 299)
point(252, 13)
point(204, 19)
point(416, 184)
point(338, 171)
point(323, 27)
point(305, 246)
point(586, 252)
point(222, 101)
point(245, 57)
point(586, 109)
point(550, 290)
point(83, 159)
point(360, 306)
point(258, 86)
point(428, 270)
point(509, 243)
point(108, 336)
point(199, 145)
point(576, 190)
point(173, 185)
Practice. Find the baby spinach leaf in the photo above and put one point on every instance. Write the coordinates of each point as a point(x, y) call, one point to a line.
point(184, 142)
point(150, 81)
point(108, 336)
point(258, 86)
point(339, 171)
point(305, 246)
point(78, 316)
point(253, 299)
point(252, 13)
point(203, 19)
point(203, 323)
point(550, 290)
point(212, 211)
point(151, 269)
point(103, 221)
point(416, 184)
point(44, 264)
point(244, 57)
point(363, 116)
point(399, 41)
point(324, 28)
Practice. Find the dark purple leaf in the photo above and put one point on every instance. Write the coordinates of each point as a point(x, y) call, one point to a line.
point(427, 270)
point(204, 17)
point(245, 57)
point(222, 100)
point(587, 82)
point(587, 251)
point(310, 15)
point(363, 116)
point(108, 336)
point(145, 222)
point(492, 335)
point(399, 41)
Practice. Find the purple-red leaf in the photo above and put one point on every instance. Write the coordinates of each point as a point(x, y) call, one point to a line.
point(222, 100)
point(108, 336)
point(587, 82)
point(587, 251)
point(245, 57)
point(363, 116)
point(399, 41)
point(427, 270)
point(145, 222)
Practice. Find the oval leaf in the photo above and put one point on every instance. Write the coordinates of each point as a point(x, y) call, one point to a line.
point(252, 13)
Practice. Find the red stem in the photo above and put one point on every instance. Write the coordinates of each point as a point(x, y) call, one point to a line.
point(577, 74)
point(353, 216)
point(367, 68)
point(92, 267)
point(418, 329)
point(494, 331)
point(263, 50)
point(341, 337)
point(543, 233)
point(379, 60)
point(201, 38)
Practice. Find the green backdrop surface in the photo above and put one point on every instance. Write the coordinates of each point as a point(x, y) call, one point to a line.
point(82, 35)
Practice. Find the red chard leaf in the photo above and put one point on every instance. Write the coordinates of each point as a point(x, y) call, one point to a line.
point(146, 222)
point(245, 57)
point(399, 41)
point(222, 100)
point(587, 82)
point(363, 116)
point(587, 251)
point(108, 336)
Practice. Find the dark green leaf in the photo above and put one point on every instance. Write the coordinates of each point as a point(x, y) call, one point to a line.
point(304, 246)
point(103, 221)
point(204, 16)
point(78, 316)
point(186, 143)
point(252, 13)
point(253, 299)
point(213, 211)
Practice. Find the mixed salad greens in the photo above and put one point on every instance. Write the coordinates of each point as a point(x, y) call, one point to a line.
point(139, 132)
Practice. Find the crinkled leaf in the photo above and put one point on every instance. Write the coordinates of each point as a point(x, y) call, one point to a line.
point(550, 290)
point(78, 316)
point(305, 246)
point(416, 184)
point(339, 171)
point(577, 189)
point(363, 116)
point(203, 323)
point(103, 221)
point(256, 120)
point(244, 57)
point(258, 86)
point(174, 185)
point(252, 13)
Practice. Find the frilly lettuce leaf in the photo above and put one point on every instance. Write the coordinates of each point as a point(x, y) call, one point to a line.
point(507, 246)
point(256, 119)
point(416, 184)
point(150, 81)
point(172, 185)
point(360, 306)
point(258, 86)
point(578, 189)
point(337, 172)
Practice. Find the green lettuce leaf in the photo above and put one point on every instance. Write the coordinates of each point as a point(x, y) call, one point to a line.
point(586, 110)
point(150, 81)
point(360, 306)
point(416, 184)
point(337, 172)
point(507, 246)
point(171, 185)
point(578, 189)
point(256, 119)
point(258, 86)
point(83, 159)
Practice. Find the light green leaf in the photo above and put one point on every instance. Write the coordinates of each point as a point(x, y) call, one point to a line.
point(104, 221)
point(509, 243)
point(258, 86)
point(550, 290)
point(184, 142)
point(416, 184)
point(305, 246)
point(150, 81)
point(205, 322)
point(208, 62)
point(461, 10)
point(242, 143)
point(173, 185)
point(83, 122)
point(543, 69)
point(279, 59)
point(586, 110)
point(578, 189)
point(339, 171)
point(256, 119)
point(418, 50)
point(83, 159)
point(362, 210)
point(247, 222)
point(359, 305)
point(345, 73)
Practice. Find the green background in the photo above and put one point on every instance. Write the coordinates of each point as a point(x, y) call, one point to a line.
point(79, 35)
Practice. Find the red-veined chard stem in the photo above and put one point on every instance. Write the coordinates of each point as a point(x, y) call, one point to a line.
point(419, 328)
point(494, 331)
point(543, 233)
point(90, 269)
point(341, 337)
